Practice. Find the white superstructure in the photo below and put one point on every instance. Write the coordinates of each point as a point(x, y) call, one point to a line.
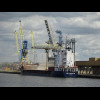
point(69, 59)
point(65, 57)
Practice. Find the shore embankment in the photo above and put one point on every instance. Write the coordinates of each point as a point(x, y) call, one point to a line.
point(10, 71)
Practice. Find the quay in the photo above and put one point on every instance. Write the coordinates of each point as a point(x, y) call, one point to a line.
point(89, 69)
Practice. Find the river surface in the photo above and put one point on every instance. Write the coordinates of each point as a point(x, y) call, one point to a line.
point(17, 80)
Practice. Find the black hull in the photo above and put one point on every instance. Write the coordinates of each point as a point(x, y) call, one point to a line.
point(49, 73)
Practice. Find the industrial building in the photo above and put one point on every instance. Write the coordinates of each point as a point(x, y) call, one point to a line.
point(89, 67)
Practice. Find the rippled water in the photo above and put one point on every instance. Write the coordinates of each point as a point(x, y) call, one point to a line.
point(17, 80)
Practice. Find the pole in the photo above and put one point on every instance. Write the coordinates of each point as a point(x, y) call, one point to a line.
point(32, 42)
point(74, 54)
point(16, 37)
point(47, 55)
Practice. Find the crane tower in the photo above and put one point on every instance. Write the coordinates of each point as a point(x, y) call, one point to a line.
point(23, 51)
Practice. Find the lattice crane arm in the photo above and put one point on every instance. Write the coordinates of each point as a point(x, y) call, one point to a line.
point(49, 32)
point(21, 35)
point(17, 44)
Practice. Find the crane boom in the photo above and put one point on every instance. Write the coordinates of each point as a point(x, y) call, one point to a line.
point(16, 37)
point(49, 33)
point(21, 35)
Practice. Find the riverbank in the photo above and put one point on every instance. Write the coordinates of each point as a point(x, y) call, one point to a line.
point(10, 71)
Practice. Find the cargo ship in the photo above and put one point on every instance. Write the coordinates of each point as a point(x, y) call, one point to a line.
point(58, 72)
point(61, 64)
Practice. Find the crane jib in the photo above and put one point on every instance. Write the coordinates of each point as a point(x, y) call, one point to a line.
point(49, 34)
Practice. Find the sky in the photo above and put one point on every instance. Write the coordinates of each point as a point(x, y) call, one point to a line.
point(83, 26)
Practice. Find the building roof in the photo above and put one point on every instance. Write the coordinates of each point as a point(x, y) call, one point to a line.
point(91, 62)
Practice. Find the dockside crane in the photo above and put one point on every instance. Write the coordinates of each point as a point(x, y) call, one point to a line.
point(22, 50)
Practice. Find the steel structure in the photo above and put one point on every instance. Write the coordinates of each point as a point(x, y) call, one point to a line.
point(32, 42)
point(49, 32)
point(21, 34)
point(17, 45)
point(23, 51)
point(60, 37)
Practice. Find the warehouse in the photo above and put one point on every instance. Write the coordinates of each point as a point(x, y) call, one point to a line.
point(89, 67)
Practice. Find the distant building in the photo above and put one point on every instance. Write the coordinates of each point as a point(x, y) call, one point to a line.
point(93, 64)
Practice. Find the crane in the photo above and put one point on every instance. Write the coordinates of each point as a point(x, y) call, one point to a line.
point(50, 44)
point(23, 51)
point(52, 34)
point(51, 41)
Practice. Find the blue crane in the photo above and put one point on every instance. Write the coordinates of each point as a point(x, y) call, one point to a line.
point(60, 37)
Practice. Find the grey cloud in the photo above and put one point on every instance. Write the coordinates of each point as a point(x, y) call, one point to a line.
point(10, 15)
point(58, 20)
point(82, 30)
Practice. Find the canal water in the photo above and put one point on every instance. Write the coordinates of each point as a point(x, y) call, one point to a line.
point(17, 80)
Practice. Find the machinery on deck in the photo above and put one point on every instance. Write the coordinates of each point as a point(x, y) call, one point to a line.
point(63, 55)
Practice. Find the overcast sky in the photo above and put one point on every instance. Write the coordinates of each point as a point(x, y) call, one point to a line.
point(84, 26)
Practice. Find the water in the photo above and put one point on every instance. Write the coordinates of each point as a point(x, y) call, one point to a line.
point(17, 80)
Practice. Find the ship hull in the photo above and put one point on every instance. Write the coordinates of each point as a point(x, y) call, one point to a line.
point(64, 74)
point(49, 73)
